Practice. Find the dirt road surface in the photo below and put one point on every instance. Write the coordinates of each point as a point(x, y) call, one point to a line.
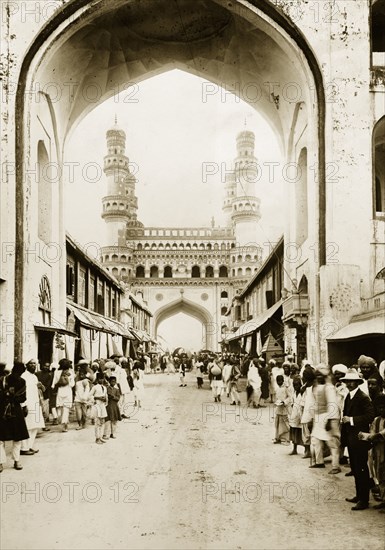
point(184, 472)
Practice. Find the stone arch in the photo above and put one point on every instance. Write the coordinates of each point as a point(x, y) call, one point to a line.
point(189, 308)
point(260, 20)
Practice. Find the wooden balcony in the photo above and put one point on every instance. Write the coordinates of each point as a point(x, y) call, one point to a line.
point(295, 310)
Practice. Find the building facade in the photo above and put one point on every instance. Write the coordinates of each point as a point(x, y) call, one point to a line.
point(316, 71)
point(256, 312)
point(192, 269)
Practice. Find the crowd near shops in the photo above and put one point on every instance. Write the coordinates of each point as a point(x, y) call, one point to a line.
point(98, 393)
point(335, 413)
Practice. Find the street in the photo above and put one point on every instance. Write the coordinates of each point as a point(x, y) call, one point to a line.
point(184, 472)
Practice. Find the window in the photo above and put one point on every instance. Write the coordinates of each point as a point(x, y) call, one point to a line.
point(195, 271)
point(82, 280)
point(223, 271)
point(378, 166)
point(223, 310)
point(45, 300)
point(139, 271)
point(91, 293)
point(224, 294)
point(70, 278)
point(377, 30)
point(100, 298)
point(209, 271)
point(154, 272)
point(167, 273)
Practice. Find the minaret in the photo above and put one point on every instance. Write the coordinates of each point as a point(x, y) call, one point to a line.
point(244, 205)
point(120, 205)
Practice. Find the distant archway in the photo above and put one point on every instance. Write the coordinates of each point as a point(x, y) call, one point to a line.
point(189, 308)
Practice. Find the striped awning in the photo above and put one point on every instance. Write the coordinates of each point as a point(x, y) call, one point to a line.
point(254, 324)
point(98, 322)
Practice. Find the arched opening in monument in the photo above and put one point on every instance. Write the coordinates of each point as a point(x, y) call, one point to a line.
point(182, 330)
point(193, 310)
point(251, 46)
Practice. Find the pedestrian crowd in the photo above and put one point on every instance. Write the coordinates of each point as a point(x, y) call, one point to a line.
point(337, 412)
point(98, 393)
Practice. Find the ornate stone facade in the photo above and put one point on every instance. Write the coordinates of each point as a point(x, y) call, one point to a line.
point(158, 260)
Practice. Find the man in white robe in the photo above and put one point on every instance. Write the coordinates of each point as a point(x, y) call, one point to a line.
point(34, 419)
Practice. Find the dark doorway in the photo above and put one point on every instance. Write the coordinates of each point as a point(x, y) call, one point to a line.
point(45, 346)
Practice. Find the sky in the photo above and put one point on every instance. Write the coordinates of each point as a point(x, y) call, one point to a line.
point(181, 134)
point(180, 142)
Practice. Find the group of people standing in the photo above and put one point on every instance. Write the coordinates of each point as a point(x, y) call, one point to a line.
point(336, 411)
point(100, 392)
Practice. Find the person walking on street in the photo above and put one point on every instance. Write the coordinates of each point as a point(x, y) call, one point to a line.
point(45, 377)
point(137, 375)
point(182, 374)
point(82, 396)
point(99, 395)
point(12, 415)
point(235, 374)
point(64, 381)
point(215, 377)
point(254, 382)
point(265, 380)
point(199, 374)
point(226, 372)
point(113, 411)
point(326, 421)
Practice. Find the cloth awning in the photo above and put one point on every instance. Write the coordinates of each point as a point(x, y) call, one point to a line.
point(96, 321)
point(360, 328)
point(53, 328)
point(141, 335)
point(254, 324)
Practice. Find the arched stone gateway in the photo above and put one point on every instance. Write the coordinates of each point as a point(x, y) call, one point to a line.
point(122, 43)
point(267, 53)
point(181, 305)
